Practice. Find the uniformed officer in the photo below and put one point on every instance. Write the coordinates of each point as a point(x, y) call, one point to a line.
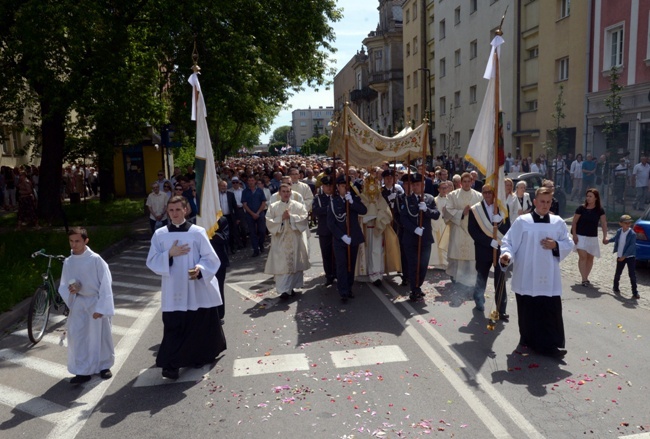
point(416, 212)
point(406, 185)
point(346, 234)
point(319, 209)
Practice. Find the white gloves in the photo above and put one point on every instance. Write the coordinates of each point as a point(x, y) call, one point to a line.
point(494, 244)
point(422, 205)
point(392, 196)
point(497, 218)
point(419, 231)
point(348, 197)
point(346, 239)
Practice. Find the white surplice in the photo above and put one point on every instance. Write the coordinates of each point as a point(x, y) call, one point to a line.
point(178, 292)
point(90, 343)
point(536, 271)
point(288, 257)
point(438, 257)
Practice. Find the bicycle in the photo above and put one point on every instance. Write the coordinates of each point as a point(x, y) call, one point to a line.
point(43, 299)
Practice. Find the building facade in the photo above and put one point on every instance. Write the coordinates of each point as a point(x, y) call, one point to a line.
point(620, 38)
point(463, 31)
point(308, 123)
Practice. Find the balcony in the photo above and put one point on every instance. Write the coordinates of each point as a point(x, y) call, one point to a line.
point(364, 94)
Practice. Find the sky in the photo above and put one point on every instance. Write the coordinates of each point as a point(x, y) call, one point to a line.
point(360, 17)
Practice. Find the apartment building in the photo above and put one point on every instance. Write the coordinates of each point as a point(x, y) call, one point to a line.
point(308, 123)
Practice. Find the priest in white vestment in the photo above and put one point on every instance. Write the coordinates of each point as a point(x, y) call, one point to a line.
point(286, 221)
point(182, 255)
point(86, 289)
point(460, 251)
point(536, 244)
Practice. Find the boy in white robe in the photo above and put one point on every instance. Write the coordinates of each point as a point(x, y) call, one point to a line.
point(86, 289)
point(286, 221)
point(536, 244)
point(182, 254)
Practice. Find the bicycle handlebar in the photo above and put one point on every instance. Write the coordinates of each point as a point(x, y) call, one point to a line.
point(41, 252)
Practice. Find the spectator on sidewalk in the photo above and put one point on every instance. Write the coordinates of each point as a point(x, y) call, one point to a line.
point(576, 176)
point(584, 229)
point(157, 205)
point(640, 176)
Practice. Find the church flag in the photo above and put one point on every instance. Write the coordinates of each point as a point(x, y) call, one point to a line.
point(485, 149)
point(207, 189)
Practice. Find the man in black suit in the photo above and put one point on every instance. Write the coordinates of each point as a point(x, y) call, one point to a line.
point(229, 208)
point(416, 212)
point(481, 217)
point(319, 210)
point(338, 222)
point(477, 184)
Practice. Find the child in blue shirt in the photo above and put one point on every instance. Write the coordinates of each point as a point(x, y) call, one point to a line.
point(625, 249)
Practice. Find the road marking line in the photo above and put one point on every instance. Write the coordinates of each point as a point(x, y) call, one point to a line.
point(70, 422)
point(481, 410)
point(153, 377)
point(131, 298)
point(46, 367)
point(143, 251)
point(135, 286)
point(126, 312)
point(270, 364)
point(132, 274)
point(636, 436)
point(32, 405)
point(365, 356)
point(268, 301)
point(55, 339)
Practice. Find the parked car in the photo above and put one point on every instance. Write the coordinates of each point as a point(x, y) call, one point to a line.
point(401, 168)
point(642, 230)
point(533, 182)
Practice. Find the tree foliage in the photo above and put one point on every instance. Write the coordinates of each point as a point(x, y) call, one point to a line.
point(559, 133)
point(280, 134)
point(315, 145)
point(613, 103)
point(90, 75)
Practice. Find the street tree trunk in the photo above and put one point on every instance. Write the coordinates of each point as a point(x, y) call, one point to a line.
point(49, 188)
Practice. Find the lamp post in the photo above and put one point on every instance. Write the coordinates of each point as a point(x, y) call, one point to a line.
point(429, 109)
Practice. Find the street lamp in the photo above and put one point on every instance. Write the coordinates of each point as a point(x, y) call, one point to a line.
point(429, 110)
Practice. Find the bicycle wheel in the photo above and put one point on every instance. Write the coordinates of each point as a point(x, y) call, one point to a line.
point(39, 312)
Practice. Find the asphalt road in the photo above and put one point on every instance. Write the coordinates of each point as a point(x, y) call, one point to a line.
point(378, 366)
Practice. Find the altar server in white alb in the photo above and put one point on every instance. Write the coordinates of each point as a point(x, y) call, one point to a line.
point(536, 244)
point(86, 289)
point(182, 254)
point(286, 221)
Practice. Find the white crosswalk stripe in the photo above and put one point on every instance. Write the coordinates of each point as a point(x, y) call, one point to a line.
point(49, 368)
point(134, 286)
point(31, 404)
point(131, 258)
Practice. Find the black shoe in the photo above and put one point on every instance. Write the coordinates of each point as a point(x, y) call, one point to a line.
point(223, 322)
point(504, 317)
point(329, 281)
point(293, 293)
point(453, 280)
point(255, 254)
point(616, 291)
point(261, 249)
point(377, 283)
point(344, 299)
point(172, 374)
point(351, 295)
point(414, 297)
point(78, 379)
point(106, 374)
point(636, 296)
point(405, 282)
point(554, 353)
point(284, 296)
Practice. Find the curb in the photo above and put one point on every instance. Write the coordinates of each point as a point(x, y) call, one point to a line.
point(9, 319)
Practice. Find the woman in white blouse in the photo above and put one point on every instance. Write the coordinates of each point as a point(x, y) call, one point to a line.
point(520, 203)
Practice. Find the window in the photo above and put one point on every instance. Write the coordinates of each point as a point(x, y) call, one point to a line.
point(4, 140)
point(443, 141)
point(457, 99)
point(359, 83)
point(408, 49)
point(415, 10)
point(416, 114)
point(614, 47)
point(443, 67)
point(408, 15)
point(473, 49)
point(531, 105)
point(443, 30)
point(415, 79)
point(303, 123)
point(473, 6)
point(415, 45)
point(457, 16)
point(565, 6)
point(303, 114)
point(533, 53)
point(563, 69)
point(457, 57)
point(472, 94)
point(408, 81)
point(443, 106)
point(456, 138)
point(471, 133)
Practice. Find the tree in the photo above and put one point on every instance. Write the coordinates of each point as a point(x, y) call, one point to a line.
point(280, 134)
point(613, 102)
point(97, 73)
point(559, 133)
